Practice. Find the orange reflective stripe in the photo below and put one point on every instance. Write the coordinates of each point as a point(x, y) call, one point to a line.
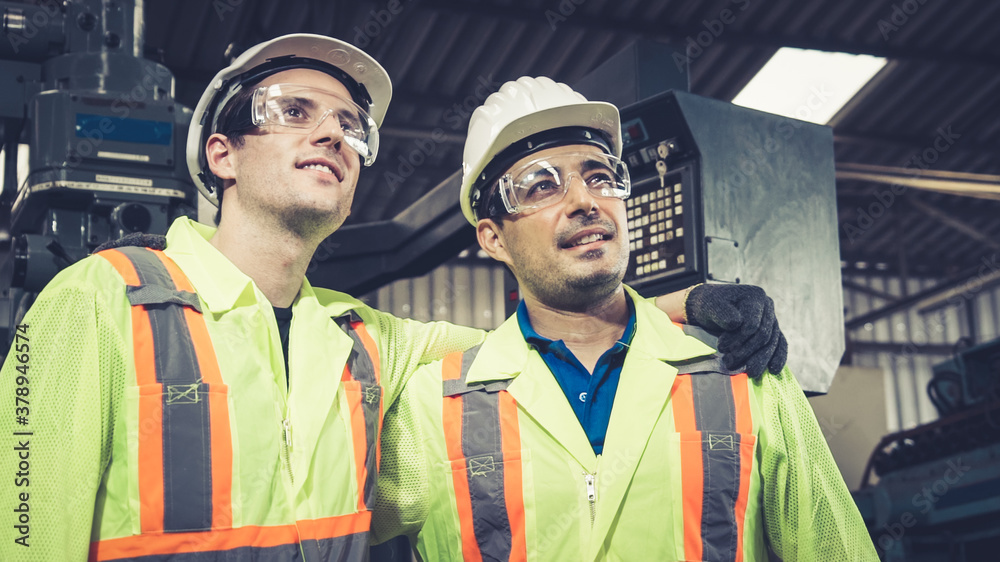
point(208, 363)
point(180, 280)
point(123, 265)
point(484, 449)
point(142, 266)
point(744, 426)
point(366, 420)
point(150, 457)
point(511, 436)
point(452, 367)
point(358, 431)
point(200, 541)
point(692, 474)
point(337, 526)
point(224, 540)
point(222, 460)
point(143, 349)
point(451, 415)
point(372, 349)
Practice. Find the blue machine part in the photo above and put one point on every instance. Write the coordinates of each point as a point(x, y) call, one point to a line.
point(123, 129)
point(944, 509)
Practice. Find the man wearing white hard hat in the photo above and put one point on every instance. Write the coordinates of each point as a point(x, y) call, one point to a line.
point(200, 400)
point(205, 402)
point(589, 426)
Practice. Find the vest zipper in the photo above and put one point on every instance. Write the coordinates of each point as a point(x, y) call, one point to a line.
point(591, 494)
point(287, 438)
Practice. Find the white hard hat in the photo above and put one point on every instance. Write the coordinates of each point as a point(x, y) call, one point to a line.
point(341, 60)
point(518, 112)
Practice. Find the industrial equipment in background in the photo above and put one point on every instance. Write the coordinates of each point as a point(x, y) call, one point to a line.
point(726, 194)
point(938, 493)
point(105, 140)
point(720, 193)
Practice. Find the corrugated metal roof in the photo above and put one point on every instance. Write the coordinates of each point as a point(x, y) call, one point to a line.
point(445, 57)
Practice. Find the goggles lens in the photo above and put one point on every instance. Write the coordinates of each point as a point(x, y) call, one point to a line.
point(294, 108)
point(545, 181)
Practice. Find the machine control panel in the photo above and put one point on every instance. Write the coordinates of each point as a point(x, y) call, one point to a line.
point(659, 209)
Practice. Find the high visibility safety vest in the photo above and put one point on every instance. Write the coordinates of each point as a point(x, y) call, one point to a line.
point(699, 463)
point(481, 431)
point(185, 446)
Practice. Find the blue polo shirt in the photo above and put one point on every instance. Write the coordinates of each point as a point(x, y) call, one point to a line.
point(591, 395)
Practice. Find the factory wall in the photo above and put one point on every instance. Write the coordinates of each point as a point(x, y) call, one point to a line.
point(465, 291)
point(906, 373)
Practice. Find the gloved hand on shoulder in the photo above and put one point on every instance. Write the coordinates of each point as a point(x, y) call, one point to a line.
point(742, 316)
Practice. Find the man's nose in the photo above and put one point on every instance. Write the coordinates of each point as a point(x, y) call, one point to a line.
point(578, 197)
point(327, 132)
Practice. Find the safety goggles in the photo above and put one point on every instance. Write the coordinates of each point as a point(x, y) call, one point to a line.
point(543, 182)
point(295, 108)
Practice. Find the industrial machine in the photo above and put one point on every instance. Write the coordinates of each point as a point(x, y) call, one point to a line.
point(722, 193)
point(938, 494)
point(104, 135)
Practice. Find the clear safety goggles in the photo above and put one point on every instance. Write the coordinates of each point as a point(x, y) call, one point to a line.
point(544, 181)
point(298, 108)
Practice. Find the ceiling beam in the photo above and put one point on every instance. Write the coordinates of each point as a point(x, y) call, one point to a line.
point(982, 186)
point(970, 281)
point(868, 290)
point(954, 223)
point(909, 144)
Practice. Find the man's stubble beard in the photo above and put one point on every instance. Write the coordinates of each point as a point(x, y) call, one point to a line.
point(572, 293)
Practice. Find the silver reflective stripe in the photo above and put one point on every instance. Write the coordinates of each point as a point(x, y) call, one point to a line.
point(482, 447)
point(362, 369)
point(187, 428)
point(715, 416)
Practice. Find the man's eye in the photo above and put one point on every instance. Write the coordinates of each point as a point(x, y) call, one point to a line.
point(600, 178)
point(294, 113)
point(349, 122)
point(542, 188)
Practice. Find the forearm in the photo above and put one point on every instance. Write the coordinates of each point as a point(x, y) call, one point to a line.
point(673, 305)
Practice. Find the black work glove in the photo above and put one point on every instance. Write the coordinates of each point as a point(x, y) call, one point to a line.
point(742, 316)
point(141, 239)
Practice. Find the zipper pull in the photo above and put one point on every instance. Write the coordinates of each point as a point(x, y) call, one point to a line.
point(287, 425)
point(591, 495)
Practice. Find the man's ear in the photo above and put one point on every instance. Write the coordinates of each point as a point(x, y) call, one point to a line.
point(220, 154)
point(491, 240)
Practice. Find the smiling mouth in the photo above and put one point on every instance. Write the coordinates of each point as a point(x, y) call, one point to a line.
point(589, 239)
point(319, 167)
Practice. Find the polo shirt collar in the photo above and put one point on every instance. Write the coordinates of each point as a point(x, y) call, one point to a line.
point(542, 343)
point(505, 352)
